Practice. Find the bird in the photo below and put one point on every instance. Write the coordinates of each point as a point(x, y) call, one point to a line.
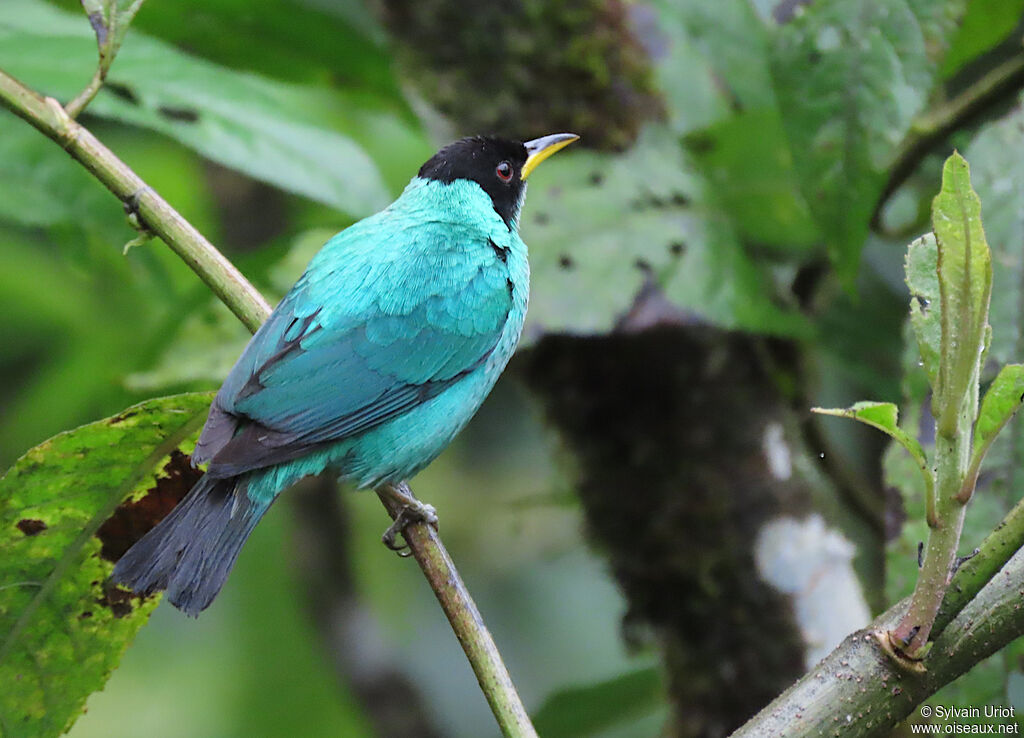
point(368, 367)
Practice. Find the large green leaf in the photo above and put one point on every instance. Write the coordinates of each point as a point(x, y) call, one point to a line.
point(298, 40)
point(985, 24)
point(715, 60)
point(750, 173)
point(283, 134)
point(850, 76)
point(716, 81)
point(602, 227)
point(68, 509)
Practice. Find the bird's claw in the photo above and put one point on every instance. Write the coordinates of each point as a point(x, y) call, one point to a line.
point(412, 512)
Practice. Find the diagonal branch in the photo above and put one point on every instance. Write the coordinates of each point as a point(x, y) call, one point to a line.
point(228, 284)
point(220, 275)
point(871, 689)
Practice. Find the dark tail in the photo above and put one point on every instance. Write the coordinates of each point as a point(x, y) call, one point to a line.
point(192, 550)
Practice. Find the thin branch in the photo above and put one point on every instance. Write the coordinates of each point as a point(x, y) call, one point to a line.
point(935, 125)
point(228, 284)
point(220, 275)
point(912, 633)
point(75, 107)
point(998, 547)
point(476, 640)
point(109, 22)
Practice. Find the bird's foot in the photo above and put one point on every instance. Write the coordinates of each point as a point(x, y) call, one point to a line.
point(412, 511)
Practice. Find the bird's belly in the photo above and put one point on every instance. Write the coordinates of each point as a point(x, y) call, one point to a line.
point(400, 448)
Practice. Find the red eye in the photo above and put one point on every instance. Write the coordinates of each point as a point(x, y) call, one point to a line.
point(504, 171)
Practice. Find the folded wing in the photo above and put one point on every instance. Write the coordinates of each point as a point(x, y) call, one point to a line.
point(312, 376)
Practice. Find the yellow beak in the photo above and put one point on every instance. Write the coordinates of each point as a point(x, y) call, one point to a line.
point(541, 148)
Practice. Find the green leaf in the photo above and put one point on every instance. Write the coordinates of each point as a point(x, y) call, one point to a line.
point(965, 287)
point(750, 171)
point(208, 342)
point(287, 135)
point(295, 40)
point(40, 186)
point(1001, 402)
point(885, 417)
point(602, 227)
point(850, 76)
point(985, 24)
point(587, 710)
point(62, 628)
point(715, 61)
point(925, 310)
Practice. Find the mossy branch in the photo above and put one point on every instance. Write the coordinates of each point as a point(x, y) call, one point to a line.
point(870, 688)
point(227, 283)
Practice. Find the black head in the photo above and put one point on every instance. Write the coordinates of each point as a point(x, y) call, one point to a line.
point(496, 164)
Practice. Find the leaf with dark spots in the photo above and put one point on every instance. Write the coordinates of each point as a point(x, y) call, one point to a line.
point(700, 143)
point(582, 258)
point(31, 526)
point(56, 600)
point(123, 92)
point(122, 417)
point(676, 248)
point(183, 115)
point(305, 147)
point(118, 600)
point(134, 518)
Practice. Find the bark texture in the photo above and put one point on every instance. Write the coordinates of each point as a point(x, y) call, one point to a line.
point(668, 428)
point(528, 67)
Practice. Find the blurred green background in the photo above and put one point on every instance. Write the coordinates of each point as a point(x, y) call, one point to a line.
point(749, 176)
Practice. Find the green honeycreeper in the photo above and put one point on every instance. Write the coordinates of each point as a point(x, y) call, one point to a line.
point(369, 366)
